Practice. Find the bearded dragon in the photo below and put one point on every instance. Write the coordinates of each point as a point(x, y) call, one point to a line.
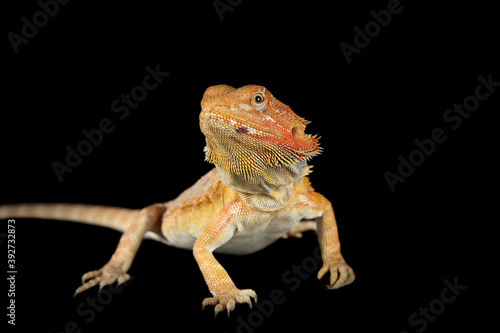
point(257, 193)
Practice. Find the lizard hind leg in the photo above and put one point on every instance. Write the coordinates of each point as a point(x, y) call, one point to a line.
point(297, 229)
point(116, 268)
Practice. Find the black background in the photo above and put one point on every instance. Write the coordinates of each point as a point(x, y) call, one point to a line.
point(402, 245)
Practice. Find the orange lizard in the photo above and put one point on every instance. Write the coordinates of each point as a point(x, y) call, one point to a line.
point(257, 193)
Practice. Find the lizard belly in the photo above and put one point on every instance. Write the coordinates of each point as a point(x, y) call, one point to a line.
point(248, 244)
point(250, 240)
point(240, 244)
point(180, 238)
point(185, 219)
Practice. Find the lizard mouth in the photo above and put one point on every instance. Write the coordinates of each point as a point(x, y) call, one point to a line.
point(293, 139)
point(239, 126)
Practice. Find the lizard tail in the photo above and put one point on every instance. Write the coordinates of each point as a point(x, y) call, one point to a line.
point(104, 216)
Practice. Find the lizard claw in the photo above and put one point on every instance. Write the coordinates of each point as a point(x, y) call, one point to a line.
point(102, 277)
point(341, 274)
point(228, 300)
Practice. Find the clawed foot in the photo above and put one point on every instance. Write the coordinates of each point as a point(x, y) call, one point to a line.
point(228, 300)
point(102, 277)
point(341, 274)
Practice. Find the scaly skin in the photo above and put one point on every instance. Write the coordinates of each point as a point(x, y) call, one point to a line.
point(257, 193)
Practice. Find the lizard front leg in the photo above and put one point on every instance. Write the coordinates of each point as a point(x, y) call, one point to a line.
point(341, 274)
point(116, 268)
point(218, 231)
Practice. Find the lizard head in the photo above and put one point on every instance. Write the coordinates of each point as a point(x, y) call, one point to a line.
point(251, 114)
point(253, 136)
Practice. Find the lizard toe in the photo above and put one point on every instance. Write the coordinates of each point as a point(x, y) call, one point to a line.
point(341, 274)
point(228, 300)
point(102, 277)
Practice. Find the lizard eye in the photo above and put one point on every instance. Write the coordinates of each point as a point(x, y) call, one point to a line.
point(259, 102)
